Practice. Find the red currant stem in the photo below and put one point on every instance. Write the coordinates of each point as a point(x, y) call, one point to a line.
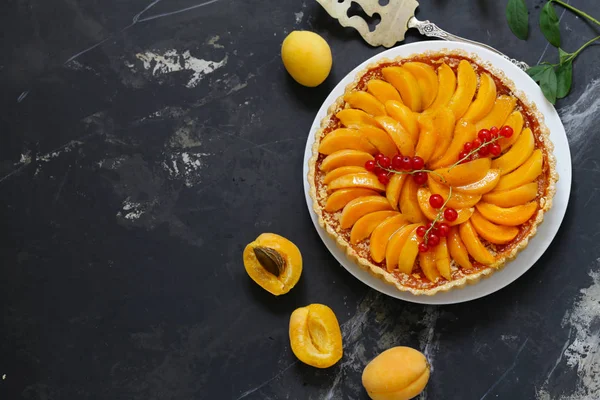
point(437, 217)
point(474, 151)
point(393, 171)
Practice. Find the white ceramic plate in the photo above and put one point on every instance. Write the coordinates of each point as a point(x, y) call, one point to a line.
point(552, 219)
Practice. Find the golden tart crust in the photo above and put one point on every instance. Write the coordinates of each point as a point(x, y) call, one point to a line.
point(416, 282)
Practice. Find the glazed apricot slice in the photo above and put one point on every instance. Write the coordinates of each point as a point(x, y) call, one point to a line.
point(513, 197)
point(364, 180)
point(526, 173)
point(351, 118)
point(406, 84)
point(491, 232)
point(366, 102)
point(457, 249)
point(482, 186)
point(464, 174)
point(467, 85)
point(362, 206)
point(427, 263)
point(457, 200)
point(409, 202)
point(515, 121)
point(446, 87)
point(344, 138)
point(315, 336)
point(394, 189)
point(383, 91)
point(273, 262)
point(365, 225)
point(427, 139)
point(409, 252)
point(463, 132)
point(397, 240)
point(340, 198)
point(474, 246)
point(399, 135)
point(423, 195)
point(405, 116)
point(379, 138)
point(509, 216)
point(443, 122)
point(341, 171)
point(517, 155)
point(342, 158)
point(382, 234)
point(483, 103)
point(503, 106)
point(442, 259)
point(426, 79)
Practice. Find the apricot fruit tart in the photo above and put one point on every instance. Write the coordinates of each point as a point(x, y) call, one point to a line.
point(432, 171)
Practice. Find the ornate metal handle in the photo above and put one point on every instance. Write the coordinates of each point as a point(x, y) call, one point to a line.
point(430, 29)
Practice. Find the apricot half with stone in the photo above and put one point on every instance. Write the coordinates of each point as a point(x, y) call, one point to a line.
point(315, 336)
point(399, 373)
point(273, 262)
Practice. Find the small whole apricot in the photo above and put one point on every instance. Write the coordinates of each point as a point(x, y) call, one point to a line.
point(306, 57)
point(273, 262)
point(399, 373)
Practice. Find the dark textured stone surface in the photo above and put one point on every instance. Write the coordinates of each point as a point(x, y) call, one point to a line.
point(127, 198)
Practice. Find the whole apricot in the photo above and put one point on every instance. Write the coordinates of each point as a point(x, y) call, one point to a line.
point(273, 262)
point(315, 336)
point(306, 57)
point(399, 373)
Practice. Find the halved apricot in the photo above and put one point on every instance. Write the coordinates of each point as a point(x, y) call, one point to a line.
point(427, 139)
point(423, 195)
point(483, 103)
point(491, 232)
point(463, 132)
point(517, 155)
point(457, 200)
point(464, 174)
point(338, 199)
point(342, 158)
point(426, 79)
point(482, 186)
point(341, 171)
point(383, 91)
point(366, 102)
point(427, 263)
point(397, 240)
point(467, 85)
point(345, 138)
point(409, 202)
point(273, 262)
point(379, 138)
point(443, 122)
point(446, 87)
point(394, 189)
point(526, 173)
point(315, 336)
point(406, 84)
point(503, 106)
point(351, 118)
point(362, 206)
point(474, 246)
point(399, 135)
point(409, 252)
point(406, 117)
point(363, 228)
point(513, 197)
point(382, 233)
point(457, 248)
point(509, 216)
point(515, 121)
point(442, 259)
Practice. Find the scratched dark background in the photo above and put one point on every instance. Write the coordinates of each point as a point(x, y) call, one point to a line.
point(128, 192)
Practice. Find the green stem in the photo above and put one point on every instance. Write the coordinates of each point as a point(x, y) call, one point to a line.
point(583, 47)
point(577, 11)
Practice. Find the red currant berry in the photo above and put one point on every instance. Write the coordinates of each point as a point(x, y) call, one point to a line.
point(370, 165)
point(468, 147)
point(462, 155)
point(450, 214)
point(484, 151)
point(397, 162)
point(385, 162)
point(423, 248)
point(494, 135)
point(436, 201)
point(378, 157)
point(484, 135)
point(406, 163)
point(506, 131)
point(383, 177)
point(421, 231)
point(494, 129)
point(420, 178)
point(495, 149)
point(443, 229)
point(433, 240)
point(417, 163)
point(476, 143)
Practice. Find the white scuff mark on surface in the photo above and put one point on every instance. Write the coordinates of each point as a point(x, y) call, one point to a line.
point(25, 158)
point(186, 166)
point(508, 338)
point(131, 210)
point(22, 96)
point(299, 16)
point(427, 336)
point(213, 41)
point(171, 61)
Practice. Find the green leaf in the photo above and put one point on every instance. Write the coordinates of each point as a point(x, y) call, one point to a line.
point(564, 77)
point(536, 72)
point(518, 18)
point(563, 55)
point(549, 24)
point(549, 85)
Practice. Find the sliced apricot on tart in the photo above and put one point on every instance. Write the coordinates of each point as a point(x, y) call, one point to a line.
point(364, 180)
point(427, 263)
point(406, 117)
point(467, 85)
point(457, 200)
point(482, 186)
point(409, 202)
point(474, 246)
point(379, 138)
point(365, 225)
point(394, 189)
point(457, 249)
point(342, 158)
point(498, 234)
point(338, 199)
point(406, 84)
point(443, 122)
point(399, 135)
point(483, 103)
point(409, 252)
point(503, 106)
point(463, 132)
point(345, 138)
point(513, 197)
point(516, 122)
point(509, 216)
point(517, 155)
point(383, 91)
point(392, 251)
point(351, 118)
point(446, 87)
point(464, 174)
point(426, 79)
point(427, 139)
point(526, 173)
point(442, 259)
point(341, 171)
point(382, 233)
point(362, 206)
point(366, 102)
